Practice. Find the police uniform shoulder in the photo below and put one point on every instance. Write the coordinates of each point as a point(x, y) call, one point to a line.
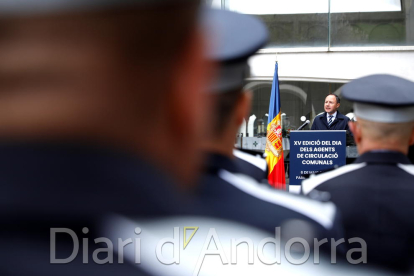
point(323, 213)
point(314, 181)
point(251, 157)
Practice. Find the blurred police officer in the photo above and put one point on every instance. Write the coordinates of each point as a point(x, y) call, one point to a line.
point(375, 193)
point(229, 188)
point(96, 104)
point(232, 104)
point(253, 164)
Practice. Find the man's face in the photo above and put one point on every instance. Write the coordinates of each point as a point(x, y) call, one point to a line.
point(331, 106)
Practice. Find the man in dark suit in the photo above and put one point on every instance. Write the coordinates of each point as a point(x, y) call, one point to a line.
point(331, 119)
point(375, 193)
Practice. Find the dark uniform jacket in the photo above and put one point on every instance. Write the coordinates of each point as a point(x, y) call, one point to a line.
point(375, 195)
point(321, 123)
point(230, 194)
point(252, 163)
point(46, 186)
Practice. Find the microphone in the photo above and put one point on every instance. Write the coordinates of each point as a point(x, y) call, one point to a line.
point(304, 124)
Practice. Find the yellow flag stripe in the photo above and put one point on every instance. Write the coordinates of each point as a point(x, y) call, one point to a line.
point(271, 159)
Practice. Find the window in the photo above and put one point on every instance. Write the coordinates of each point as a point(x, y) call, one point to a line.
point(331, 23)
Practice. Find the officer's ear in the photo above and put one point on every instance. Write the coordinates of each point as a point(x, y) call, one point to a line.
point(356, 131)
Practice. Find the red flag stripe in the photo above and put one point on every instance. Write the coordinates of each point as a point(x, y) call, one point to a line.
point(277, 176)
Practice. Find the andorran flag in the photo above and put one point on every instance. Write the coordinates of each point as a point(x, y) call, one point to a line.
point(274, 149)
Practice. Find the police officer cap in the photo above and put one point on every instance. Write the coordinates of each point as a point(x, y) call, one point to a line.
point(233, 38)
point(381, 98)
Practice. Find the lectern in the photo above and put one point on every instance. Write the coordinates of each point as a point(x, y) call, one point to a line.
point(313, 151)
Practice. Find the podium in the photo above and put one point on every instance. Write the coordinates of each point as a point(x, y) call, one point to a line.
point(313, 151)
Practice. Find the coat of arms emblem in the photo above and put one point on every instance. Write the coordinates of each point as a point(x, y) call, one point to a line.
point(274, 139)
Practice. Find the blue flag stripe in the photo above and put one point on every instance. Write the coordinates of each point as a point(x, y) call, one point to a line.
point(274, 105)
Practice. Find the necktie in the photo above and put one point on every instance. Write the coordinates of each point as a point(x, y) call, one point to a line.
point(330, 120)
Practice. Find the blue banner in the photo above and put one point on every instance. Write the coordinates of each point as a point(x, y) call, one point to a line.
point(314, 151)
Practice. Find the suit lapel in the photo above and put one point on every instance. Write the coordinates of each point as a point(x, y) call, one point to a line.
point(334, 122)
point(324, 120)
point(338, 117)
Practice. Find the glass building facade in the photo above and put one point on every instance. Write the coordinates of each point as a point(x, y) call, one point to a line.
point(331, 23)
point(323, 26)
